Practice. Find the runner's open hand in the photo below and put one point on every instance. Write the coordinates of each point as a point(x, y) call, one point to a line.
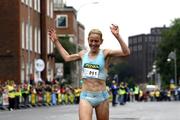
point(53, 35)
point(114, 30)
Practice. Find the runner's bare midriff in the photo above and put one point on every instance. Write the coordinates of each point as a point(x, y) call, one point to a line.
point(94, 85)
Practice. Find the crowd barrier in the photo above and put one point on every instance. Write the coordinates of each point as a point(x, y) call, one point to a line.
point(40, 99)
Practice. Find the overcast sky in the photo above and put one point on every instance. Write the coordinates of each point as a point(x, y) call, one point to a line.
point(133, 16)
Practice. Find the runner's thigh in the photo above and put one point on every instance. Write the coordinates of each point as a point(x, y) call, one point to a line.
point(102, 111)
point(85, 110)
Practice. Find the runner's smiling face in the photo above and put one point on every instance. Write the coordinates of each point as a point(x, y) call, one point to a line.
point(94, 41)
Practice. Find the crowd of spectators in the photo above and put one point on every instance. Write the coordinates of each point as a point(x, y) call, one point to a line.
point(122, 93)
point(16, 96)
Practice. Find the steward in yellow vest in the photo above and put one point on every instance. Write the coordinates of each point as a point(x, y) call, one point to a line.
point(11, 94)
point(121, 93)
point(77, 92)
point(17, 96)
point(136, 92)
point(157, 95)
point(25, 93)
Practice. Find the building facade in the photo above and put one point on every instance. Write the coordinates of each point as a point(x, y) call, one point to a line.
point(24, 39)
point(144, 48)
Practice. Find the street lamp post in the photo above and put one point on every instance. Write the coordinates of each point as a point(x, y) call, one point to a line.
point(149, 76)
point(172, 55)
point(156, 75)
point(154, 72)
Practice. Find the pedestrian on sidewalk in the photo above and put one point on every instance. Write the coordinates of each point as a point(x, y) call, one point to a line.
point(94, 71)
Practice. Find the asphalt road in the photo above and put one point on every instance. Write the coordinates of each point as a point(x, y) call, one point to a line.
point(130, 111)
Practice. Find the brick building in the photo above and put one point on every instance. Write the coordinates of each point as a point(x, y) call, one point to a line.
point(24, 39)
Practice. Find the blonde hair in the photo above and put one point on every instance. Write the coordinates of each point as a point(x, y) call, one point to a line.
point(95, 31)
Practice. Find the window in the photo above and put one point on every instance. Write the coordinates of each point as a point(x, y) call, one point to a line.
point(139, 47)
point(22, 70)
point(135, 40)
point(35, 39)
point(130, 41)
point(58, 1)
point(39, 40)
point(52, 47)
point(30, 3)
point(38, 5)
point(146, 39)
point(48, 42)
point(22, 35)
point(48, 13)
point(130, 47)
point(30, 36)
point(149, 37)
point(140, 39)
point(35, 5)
point(51, 9)
point(26, 2)
point(27, 37)
point(27, 71)
point(61, 21)
point(134, 48)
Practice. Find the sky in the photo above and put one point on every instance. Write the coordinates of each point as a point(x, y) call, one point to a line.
point(132, 16)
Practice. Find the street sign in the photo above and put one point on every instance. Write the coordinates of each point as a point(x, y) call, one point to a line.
point(39, 65)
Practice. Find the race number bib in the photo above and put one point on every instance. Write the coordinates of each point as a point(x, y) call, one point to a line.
point(91, 70)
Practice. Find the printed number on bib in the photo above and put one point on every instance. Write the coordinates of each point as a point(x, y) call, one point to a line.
point(91, 70)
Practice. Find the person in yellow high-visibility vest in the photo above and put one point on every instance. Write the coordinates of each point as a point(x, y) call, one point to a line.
point(71, 98)
point(121, 93)
point(141, 95)
point(157, 95)
point(136, 92)
point(25, 93)
point(11, 94)
point(17, 96)
point(169, 95)
point(152, 95)
point(33, 95)
point(48, 97)
point(77, 92)
point(59, 97)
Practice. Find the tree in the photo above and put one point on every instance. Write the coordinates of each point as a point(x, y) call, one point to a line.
point(70, 48)
point(170, 42)
point(123, 71)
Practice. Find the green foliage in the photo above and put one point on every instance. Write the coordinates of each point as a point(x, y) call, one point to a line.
point(123, 71)
point(170, 42)
point(70, 48)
